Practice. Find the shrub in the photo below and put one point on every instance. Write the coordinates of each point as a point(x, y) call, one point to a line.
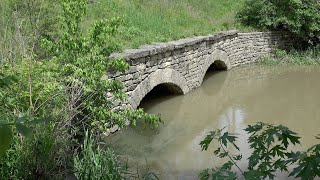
point(72, 86)
point(96, 163)
point(270, 146)
point(42, 156)
point(84, 65)
point(299, 17)
point(23, 25)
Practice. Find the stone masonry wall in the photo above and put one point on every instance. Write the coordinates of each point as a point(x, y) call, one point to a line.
point(183, 64)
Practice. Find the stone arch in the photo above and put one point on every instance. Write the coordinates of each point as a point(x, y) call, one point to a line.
point(219, 58)
point(166, 76)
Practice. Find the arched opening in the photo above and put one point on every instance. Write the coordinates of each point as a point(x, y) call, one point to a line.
point(213, 78)
point(218, 65)
point(215, 68)
point(160, 93)
point(153, 101)
point(173, 81)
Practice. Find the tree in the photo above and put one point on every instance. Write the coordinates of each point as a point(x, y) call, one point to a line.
point(299, 17)
point(85, 63)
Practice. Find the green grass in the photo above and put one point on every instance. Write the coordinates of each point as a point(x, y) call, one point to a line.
point(145, 21)
point(310, 56)
point(148, 21)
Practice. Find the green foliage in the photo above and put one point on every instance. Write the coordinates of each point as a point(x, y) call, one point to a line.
point(6, 81)
point(78, 55)
point(42, 156)
point(311, 56)
point(23, 24)
point(96, 163)
point(308, 163)
point(269, 144)
point(21, 124)
point(150, 176)
point(270, 153)
point(299, 17)
point(223, 172)
point(5, 139)
point(148, 21)
point(71, 86)
point(5, 84)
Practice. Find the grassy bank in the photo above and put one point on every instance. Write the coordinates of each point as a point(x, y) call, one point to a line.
point(145, 21)
point(310, 56)
point(148, 21)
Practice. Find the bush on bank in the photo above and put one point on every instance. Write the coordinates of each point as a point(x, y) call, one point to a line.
point(67, 86)
point(299, 17)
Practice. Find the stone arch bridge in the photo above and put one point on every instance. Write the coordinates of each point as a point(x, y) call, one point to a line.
point(181, 65)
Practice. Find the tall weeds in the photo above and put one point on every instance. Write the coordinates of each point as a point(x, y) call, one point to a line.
point(310, 56)
point(95, 163)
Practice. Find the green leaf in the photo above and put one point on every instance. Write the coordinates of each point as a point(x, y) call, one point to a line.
point(36, 121)
point(254, 159)
point(204, 174)
point(24, 130)
point(223, 154)
point(205, 143)
point(227, 166)
point(280, 164)
point(294, 156)
point(287, 136)
point(224, 138)
point(253, 174)
point(224, 172)
point(238, 157)
point(2, 122)
point(229, 137)
point(5, 139)
point(255, 128)
point(22, 119)
point(217, 151)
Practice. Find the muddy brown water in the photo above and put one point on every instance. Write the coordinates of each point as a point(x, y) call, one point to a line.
point(287, 95)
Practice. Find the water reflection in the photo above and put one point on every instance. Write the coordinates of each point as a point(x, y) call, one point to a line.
point(233, 99)
point(233, 117)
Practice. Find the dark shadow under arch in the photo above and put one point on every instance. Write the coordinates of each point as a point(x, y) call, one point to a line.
point(218, 65)
point(219, 60)
point(161, 93)
point(214, 69)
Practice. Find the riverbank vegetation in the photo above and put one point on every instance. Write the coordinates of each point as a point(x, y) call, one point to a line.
point(57, 89)
point(148, 21)
point(311, 56)
point(300, 18)
point(145, 21)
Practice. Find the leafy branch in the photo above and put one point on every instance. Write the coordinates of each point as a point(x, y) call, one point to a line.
point(22, 124)
point(270, 154)
point(223, 141)
point(84, 65)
